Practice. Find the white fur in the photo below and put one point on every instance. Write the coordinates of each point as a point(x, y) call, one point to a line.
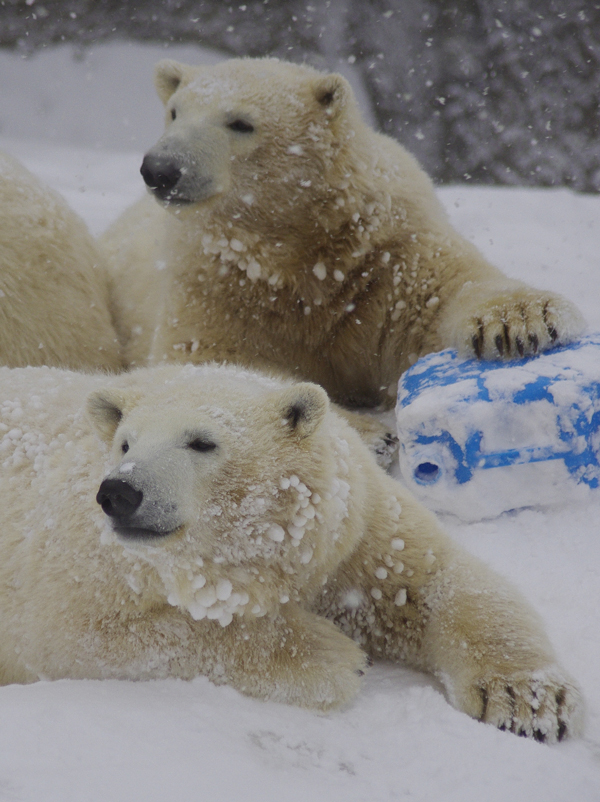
point(309, 244)
point(263, 515)
point(54, 296)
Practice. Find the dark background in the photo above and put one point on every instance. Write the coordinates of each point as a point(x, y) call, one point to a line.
point(485, 91)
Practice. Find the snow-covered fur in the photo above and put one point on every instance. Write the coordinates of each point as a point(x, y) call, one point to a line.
point(298, 238)
point(54, 297)
point(239, 513)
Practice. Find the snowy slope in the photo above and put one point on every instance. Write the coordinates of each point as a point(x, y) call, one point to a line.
point(401, 740)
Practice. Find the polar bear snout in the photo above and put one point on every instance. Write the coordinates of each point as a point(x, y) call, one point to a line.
point(146, 506)
point(118, 498)
point(123, 504)
point(179, 178)
point(161, 173)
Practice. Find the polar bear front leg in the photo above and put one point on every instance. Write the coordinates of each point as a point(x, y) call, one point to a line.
point(491, 653)
point(507, 320)
point(409, 594)
point(293, 656)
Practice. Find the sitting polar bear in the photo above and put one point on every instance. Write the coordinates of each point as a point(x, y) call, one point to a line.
point(244, 533)
point(299, 239)
point(54, 294)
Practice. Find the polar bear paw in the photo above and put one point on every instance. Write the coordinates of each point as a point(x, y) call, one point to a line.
point(378, 437)
point(544, 705)
point(509, 323)
point(330, 677)
point(315, 666)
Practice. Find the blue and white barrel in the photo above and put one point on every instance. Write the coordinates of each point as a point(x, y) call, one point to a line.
point(481, 438)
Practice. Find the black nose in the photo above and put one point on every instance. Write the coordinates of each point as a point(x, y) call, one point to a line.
point(160, 173)
point(118, 498)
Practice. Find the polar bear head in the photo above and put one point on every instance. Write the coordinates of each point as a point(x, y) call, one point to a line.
point(223, 480)
point(261, 130)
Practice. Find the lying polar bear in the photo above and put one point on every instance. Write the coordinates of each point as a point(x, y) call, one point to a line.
point(54, 291)
point(179, 521)
point(291, 236)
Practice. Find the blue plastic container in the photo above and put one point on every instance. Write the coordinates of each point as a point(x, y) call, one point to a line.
point(480, 438)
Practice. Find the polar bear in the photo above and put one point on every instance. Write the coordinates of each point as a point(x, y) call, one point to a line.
point(54, 294)
point(300, 239)
point(187, 520)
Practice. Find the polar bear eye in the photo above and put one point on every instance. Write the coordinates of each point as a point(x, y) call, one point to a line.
point(201, 444)
point(125, 447)
point(173, 114)
point(241, 126)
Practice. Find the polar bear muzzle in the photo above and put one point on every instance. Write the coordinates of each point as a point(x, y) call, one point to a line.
point(121, 502)
point(180, 178)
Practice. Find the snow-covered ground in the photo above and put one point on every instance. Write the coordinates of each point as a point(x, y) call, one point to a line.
point(401, 740)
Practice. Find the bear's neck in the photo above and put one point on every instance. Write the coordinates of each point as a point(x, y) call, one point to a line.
point(340, 230)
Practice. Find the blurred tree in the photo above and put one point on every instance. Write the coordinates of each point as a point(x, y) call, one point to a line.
point(489, 91)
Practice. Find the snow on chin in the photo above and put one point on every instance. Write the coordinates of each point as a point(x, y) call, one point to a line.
point(204, 590)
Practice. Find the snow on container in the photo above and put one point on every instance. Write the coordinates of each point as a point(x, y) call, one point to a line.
point(480, 438)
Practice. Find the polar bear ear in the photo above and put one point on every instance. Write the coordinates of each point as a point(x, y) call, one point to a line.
point(106, 409)
point(302, 408)
point(168, 74)
point(331, 93)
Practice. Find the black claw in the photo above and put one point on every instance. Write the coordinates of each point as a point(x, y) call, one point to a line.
point(507, 338)
point(534, 342)
point(360, 672)
point(562, 727)
point(477, 340)
point(484, 703)
point(539, 736)
point(551, 330)
point(510, 692)
point(499, 344)
point(520, 346)
point(369, 661)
